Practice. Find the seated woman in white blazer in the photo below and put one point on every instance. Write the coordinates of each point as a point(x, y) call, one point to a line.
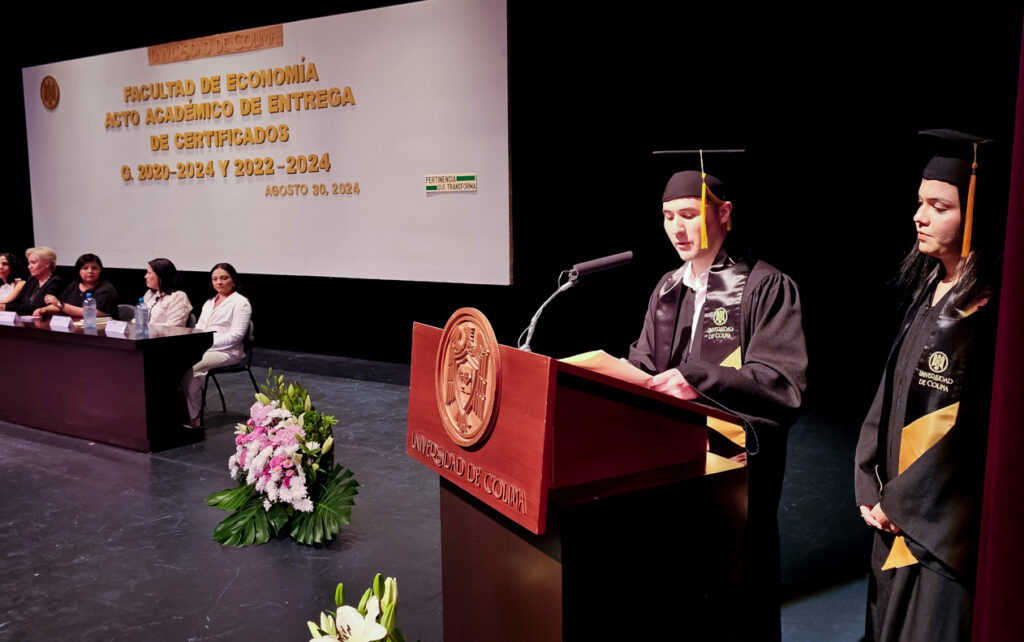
point(227, 315)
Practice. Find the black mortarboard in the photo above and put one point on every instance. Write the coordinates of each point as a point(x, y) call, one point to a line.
point(690, 184)
point(955, 161)
point(697, 184)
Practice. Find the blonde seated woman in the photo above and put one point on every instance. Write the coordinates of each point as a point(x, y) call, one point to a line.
point(42, 261)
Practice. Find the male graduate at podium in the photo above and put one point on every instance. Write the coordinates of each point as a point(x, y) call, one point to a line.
point(725, 330)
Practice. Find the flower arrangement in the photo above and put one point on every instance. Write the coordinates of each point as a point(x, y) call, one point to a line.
point(374, 619)
point(288, 481)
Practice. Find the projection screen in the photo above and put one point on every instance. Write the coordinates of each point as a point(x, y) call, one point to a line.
point(366, 145)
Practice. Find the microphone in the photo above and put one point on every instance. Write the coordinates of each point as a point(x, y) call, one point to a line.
point(578, 270)
point(601, 264)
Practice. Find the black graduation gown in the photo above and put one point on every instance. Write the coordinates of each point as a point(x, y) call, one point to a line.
point(765, 392)
point(936, 501)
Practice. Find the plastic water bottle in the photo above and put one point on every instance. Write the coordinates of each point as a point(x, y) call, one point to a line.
point(141, 319)
point(89, 311)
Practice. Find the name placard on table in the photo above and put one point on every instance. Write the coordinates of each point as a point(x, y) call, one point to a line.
point(62, 323)
point(8, 318)
point(117, 327)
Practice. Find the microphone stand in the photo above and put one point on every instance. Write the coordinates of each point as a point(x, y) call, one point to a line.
point(525, 345)
point(578, 270)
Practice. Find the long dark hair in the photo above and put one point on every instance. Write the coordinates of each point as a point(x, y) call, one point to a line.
point(168, 279)
point(230, 269)
point(15, 266)
point(979, 272)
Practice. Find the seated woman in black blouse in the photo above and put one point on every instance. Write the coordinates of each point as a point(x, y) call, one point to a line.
point(42, 261)
point(89, 268)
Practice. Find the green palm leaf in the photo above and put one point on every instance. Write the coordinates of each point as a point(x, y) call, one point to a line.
point(246, 526)
point(335, 495)
point(231, 498)
point(278, 516)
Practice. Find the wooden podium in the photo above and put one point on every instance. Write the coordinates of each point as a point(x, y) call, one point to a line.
point(590, 510)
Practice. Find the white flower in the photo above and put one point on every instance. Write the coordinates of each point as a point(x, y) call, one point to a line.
point(280, 413)
point(259, 462)
point(353, 627)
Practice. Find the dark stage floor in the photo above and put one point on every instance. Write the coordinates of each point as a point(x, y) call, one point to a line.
point(101, 543)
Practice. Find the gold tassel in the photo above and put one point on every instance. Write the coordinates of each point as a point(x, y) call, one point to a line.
point(703, 213)
point(969, 216)
point(703, 204)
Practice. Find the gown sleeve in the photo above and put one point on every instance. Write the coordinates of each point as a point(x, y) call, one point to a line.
point(768, 387)
point(865, 479)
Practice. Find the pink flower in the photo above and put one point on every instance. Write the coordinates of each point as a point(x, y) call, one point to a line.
point(258, 413)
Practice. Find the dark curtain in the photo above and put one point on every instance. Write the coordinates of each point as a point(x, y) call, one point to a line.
point(997, 613)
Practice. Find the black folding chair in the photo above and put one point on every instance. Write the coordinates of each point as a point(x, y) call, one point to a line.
point(244, 365)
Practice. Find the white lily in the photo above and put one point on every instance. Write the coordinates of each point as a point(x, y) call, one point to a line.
point(353, 627)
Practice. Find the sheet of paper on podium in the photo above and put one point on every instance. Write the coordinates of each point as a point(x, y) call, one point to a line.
point(604, 363)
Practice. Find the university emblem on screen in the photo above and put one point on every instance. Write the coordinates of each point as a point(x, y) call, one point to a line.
point(468, 377)
point(49, 92)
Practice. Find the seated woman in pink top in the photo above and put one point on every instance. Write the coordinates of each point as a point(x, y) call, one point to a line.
point(227, 315)
point(166, 298)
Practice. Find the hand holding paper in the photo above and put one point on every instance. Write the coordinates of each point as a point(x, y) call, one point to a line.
point(671, 382)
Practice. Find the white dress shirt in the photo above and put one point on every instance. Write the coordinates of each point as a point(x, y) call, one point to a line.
point(699, 285)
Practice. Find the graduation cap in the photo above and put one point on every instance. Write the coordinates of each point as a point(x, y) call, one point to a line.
point(694, 184)
point(955, 161)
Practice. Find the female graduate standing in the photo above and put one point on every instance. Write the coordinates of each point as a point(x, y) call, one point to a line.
point(920, 458)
